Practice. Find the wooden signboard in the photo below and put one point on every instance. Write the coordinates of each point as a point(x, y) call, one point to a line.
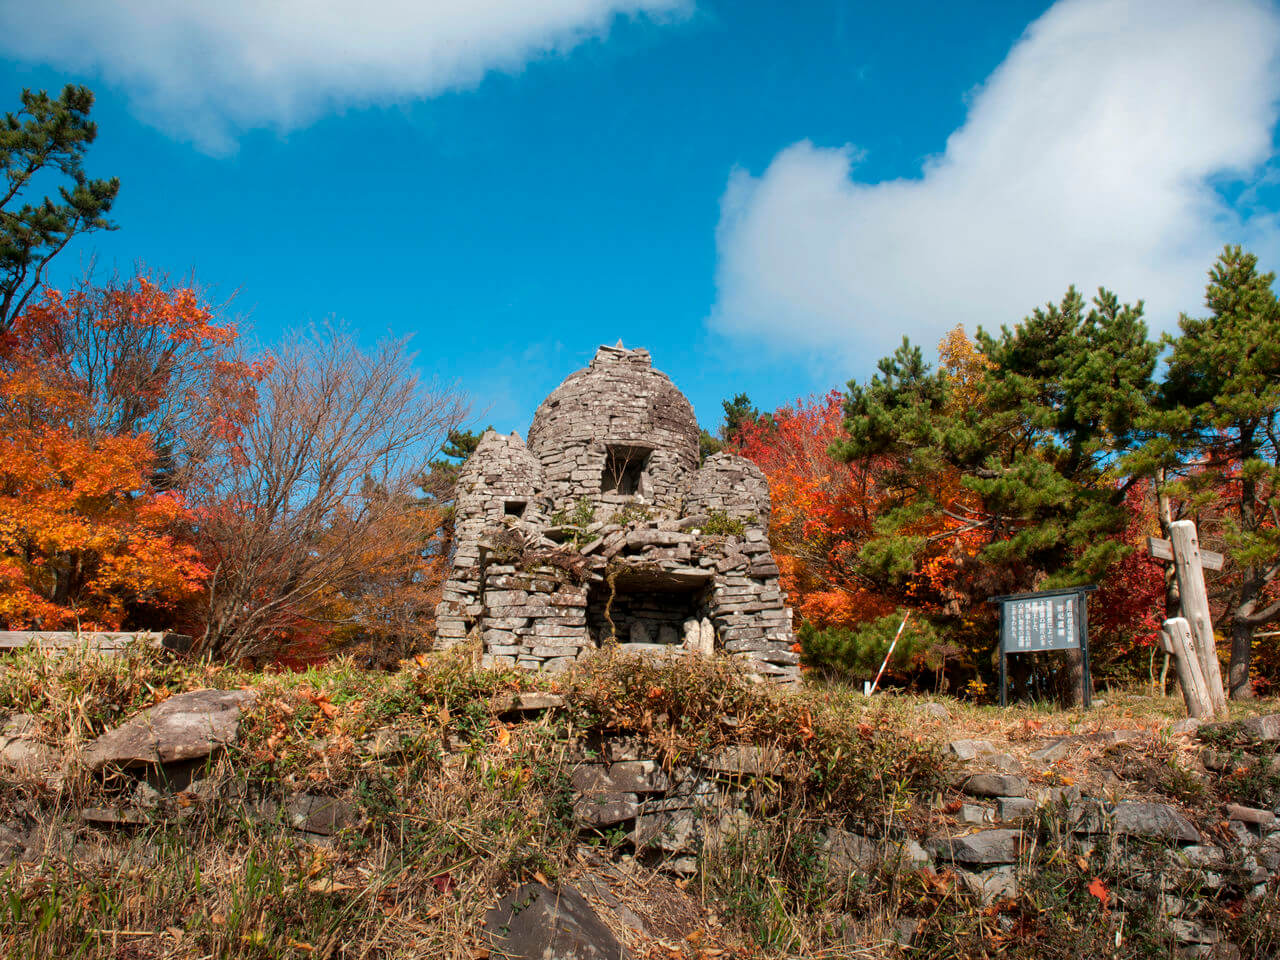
point(1045, 620)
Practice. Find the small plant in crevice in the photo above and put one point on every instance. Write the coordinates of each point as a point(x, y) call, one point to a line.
point(630, 514)
point(720, 524)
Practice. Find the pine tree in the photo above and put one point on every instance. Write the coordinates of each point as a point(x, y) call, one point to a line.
point(1221, 412)
point(46, 137)
point(1034, 441)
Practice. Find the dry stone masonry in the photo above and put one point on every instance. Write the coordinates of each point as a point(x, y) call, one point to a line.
point(605, 529)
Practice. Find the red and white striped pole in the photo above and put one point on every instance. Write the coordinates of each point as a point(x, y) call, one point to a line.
point(901, 627)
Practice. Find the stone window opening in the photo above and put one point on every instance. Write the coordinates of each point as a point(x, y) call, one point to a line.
point(626, 471)
point(647, 609)
point(515, 508)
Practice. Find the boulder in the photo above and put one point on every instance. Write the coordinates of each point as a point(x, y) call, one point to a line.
point(675, 832)
point(531, 702)
point(535, 923)
point(851, 852)
point(1015, 808)
point(976, 813)
point(605, 810)
point(627, 776)
point(187, 726)
point(744, 759)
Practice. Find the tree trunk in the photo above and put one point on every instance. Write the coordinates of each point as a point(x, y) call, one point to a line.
point(1241, 650)
point(1072, 692)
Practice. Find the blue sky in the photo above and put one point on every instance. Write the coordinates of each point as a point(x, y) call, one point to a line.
point(766, 196)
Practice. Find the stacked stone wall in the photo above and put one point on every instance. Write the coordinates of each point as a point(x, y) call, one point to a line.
point(681, 564)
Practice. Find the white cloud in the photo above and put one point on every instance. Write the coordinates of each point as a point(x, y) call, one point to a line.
point(208, 69)
point(1089, 157)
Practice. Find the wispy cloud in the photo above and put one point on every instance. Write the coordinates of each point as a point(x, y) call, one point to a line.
point(209, 69)
point(1090, 156)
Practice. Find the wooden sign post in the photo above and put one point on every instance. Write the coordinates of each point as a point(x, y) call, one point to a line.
point(1175, 637)
point(1046, 620)
point(1189, 563)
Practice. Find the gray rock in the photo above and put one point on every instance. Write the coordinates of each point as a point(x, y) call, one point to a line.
point(851, 852)
point(324, 816)
point(114, 817)
point(986, 847)
point(676, 832)
point(976, 813)
point(531, 702)
point(744, 759)
point(535, 923)
point(970, 749)
point(933, 709)
point(16, 840)
point(998, 883)
point(1053, 751)
point(1250, 815)
point(605, 810)
point(1185, 727)
point(994, 785)
point(21, 750)
point(187, 726)
point(1015, 808)
point(1142, 819)
point(1266, 728)
point(631, 776)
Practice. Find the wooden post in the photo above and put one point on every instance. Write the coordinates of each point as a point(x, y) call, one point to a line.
point(1194, 598)
point(1175, 637)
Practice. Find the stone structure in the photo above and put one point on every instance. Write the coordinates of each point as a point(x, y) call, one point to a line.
point(604, 529)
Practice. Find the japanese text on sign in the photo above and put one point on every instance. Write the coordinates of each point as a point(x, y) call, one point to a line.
point(1043, 623)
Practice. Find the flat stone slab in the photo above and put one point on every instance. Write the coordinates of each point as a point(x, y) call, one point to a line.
point(984, 848)
point(994, 785)
point(1250, 815)
point(969, 749)
point(187, 726)
point(535, 923)
point(1053, 751)
point(532, 701)
point(744, 759)
point(323, 816)
point(1143, 819)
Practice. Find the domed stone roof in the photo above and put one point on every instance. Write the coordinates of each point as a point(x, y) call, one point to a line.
point(500, 478)
point(615, 431)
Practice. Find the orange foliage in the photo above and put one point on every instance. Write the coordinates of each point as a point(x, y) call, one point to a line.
point(823, 511)
point(90, 384)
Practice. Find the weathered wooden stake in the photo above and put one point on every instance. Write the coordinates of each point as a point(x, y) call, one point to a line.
point(1194, 598)
point(1175, 637)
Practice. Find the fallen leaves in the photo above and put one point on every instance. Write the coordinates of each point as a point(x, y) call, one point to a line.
point(1099, 889)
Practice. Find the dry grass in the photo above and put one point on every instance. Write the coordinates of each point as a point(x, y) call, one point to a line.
point(455, 804)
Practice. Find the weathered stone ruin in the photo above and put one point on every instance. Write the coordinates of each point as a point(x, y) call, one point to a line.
point(605, 529)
